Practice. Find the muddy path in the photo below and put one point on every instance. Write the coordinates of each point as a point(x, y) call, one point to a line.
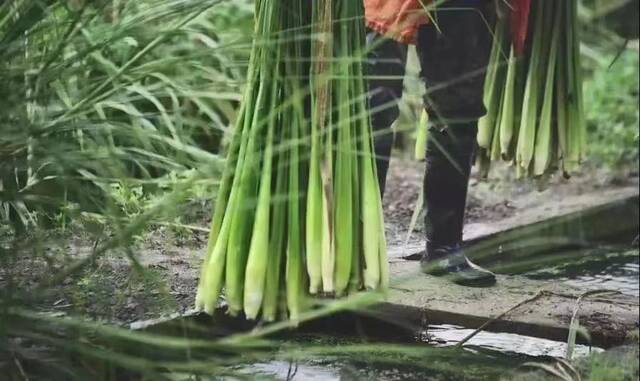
point(112, 289)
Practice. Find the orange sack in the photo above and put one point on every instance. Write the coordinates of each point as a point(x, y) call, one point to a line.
point(397, 19)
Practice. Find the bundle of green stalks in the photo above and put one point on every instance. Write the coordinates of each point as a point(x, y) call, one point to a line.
point(298, 214)
point(534, 100)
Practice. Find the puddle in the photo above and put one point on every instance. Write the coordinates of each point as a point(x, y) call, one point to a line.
point(290, 371)
point(488, 356)
point(600, 269)
point(337, 371)
point(449, 335)
point(382, 362)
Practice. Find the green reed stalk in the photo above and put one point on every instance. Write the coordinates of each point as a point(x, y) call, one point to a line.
point(542, 157)
point(528, 122)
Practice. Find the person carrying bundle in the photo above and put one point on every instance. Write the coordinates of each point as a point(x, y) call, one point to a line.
point(298, 216)
point(453, 45)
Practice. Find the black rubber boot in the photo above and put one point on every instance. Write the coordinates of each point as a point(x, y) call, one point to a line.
point(449, 156)
point(450, 262)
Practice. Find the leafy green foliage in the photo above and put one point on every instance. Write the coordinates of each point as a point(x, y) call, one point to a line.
point(611, 100)
point(112, 116)
point(98, 91)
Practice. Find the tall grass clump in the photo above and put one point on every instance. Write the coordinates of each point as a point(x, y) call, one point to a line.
point(101, 92)
point(98, 96)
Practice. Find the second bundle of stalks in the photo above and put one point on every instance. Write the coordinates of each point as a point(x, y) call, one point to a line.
point(534, 99)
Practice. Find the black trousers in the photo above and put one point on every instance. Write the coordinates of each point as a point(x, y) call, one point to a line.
point(453, 52)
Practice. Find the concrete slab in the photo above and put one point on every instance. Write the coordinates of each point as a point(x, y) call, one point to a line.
point(545, 308)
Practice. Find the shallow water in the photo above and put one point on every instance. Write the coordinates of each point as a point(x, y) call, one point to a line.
point(382, 362)
point(609, 269)
point(448, 335)
point(343, 369)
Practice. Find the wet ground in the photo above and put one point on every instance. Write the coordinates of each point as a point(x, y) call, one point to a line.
point(440, 364)
point(388, 365)
point(491, 201)
point(605, 268)
point(505, 343)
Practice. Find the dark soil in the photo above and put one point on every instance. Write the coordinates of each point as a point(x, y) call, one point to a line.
point(493, 199)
